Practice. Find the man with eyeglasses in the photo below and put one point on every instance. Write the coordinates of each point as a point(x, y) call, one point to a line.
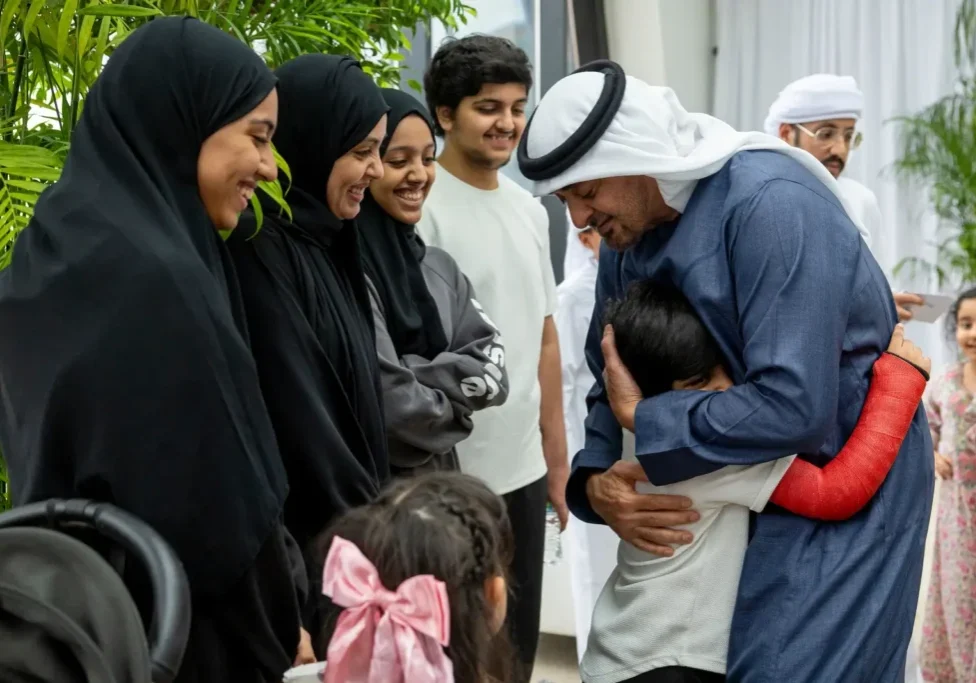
point(819, 114)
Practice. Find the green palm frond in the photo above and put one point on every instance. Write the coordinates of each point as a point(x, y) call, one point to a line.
point(25, 172)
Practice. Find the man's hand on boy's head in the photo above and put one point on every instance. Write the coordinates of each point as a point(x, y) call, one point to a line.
point(623, 394)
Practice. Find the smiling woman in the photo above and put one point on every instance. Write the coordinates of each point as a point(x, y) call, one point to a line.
point(124, 305)
point(409, 169)
point(440, 356)
point(307, 305)
point(234, 160)
point(353, 172)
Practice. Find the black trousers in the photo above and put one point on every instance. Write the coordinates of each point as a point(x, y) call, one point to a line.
point(678, 674)
point(527, 510)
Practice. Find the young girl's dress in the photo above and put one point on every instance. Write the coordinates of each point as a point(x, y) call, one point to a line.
point(949, 632)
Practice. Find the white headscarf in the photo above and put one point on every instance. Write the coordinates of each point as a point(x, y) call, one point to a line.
point(651, 135)
point(815, 98)
point(577, 255)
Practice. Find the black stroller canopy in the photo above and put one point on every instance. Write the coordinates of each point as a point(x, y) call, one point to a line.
point(65, 615)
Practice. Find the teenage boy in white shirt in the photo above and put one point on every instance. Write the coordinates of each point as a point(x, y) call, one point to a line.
point(477, 89)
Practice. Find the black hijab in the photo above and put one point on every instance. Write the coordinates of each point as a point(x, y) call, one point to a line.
point(308, 309)
point(392, 253)
point(126, 370)
point(328, 105)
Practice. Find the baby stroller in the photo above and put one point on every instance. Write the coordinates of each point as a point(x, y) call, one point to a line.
point(65, 613)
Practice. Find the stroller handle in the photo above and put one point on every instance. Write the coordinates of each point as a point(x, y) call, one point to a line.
point(170, 627)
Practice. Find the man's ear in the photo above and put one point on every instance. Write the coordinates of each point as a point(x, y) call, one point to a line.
point(786, 133)
point(445, 117)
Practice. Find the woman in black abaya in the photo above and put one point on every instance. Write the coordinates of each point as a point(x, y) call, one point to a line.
point(305, 294)
point(126, 371)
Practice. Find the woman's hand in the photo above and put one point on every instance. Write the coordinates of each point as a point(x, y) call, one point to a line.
point(305, 655)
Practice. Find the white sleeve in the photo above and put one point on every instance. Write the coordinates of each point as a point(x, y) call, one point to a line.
point(864, 204)
point(545, 261)
point(572, 340)
point(872, 218)
point(746, 485)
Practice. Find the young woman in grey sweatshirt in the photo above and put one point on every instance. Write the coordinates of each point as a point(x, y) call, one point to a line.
point(441, 357)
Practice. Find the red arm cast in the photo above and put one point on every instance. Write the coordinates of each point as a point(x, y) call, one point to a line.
point(845, 485)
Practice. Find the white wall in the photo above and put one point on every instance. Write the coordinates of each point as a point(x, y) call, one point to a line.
point(634, 37)
point(666, 42)
point(689, 37)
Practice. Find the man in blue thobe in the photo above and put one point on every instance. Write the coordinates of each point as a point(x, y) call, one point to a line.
point(758, 237)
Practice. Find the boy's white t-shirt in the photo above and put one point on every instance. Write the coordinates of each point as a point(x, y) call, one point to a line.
point(500, 240)
point(655, 611)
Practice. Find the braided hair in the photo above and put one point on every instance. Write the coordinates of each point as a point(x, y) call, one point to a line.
point(452, 526)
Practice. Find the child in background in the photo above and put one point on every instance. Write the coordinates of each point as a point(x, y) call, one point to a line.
point(948, 652)
point(421, 576)
point(667, 619)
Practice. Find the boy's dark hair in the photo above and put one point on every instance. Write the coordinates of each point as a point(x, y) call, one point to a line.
point(461, 66)
point(660, 338)
point(452, 526)
point(952, 319)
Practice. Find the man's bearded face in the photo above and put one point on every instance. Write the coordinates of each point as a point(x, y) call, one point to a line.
point(829, 141)
point(620, 209)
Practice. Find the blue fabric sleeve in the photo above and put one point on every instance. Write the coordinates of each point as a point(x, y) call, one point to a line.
point(793, 257)
point(603, 433)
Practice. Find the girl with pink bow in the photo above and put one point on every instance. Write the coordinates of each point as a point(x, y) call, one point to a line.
point(420, 576)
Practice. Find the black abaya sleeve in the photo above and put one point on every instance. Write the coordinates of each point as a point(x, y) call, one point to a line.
point(328, 471)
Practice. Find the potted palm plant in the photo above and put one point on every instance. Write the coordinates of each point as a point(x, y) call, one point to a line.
point(51, 51)
point(938, 150)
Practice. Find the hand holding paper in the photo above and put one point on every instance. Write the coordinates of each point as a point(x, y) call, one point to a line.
point(931, 308)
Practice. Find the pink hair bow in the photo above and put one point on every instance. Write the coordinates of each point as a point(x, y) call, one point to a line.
point(384, 636)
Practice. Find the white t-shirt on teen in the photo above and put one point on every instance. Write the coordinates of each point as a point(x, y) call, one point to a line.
point(655, 611)
point(500, 240)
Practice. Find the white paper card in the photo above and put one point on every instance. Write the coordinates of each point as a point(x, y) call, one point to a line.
point(933, 308)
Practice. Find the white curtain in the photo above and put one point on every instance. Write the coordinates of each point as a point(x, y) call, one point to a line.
point(900, 52)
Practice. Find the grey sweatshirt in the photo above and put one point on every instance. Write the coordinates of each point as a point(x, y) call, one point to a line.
point(428, 402)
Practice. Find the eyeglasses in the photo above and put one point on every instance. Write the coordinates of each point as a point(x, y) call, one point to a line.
point(828, 135)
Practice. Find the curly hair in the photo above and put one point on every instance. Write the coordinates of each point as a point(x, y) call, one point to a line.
point(449, 525)
point(461, 66)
